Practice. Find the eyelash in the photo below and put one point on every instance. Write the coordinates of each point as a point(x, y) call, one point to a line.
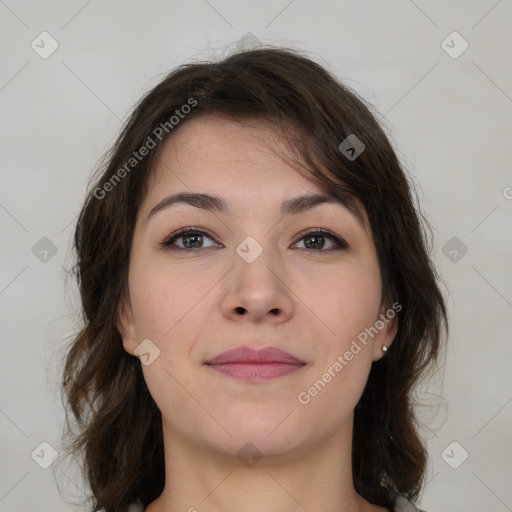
point(167, 243)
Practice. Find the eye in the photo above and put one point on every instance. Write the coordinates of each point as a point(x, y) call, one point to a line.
point(317, 237)
point(192, 239)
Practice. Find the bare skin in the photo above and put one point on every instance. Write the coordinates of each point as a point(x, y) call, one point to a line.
point(201, 300)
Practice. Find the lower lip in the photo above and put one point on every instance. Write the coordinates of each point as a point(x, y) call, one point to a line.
point(256, 372)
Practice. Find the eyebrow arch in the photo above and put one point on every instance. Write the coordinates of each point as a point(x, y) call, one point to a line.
point(292, 206)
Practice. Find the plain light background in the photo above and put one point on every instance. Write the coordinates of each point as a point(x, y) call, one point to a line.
point(448, 114)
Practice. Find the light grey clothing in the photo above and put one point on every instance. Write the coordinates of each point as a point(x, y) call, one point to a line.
point(402, 504)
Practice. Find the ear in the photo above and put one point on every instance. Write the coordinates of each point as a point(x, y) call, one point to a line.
point(125, 324)
point(387, 325)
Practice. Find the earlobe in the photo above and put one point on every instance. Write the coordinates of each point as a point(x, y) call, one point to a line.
point(389, 321)
point(125, 325)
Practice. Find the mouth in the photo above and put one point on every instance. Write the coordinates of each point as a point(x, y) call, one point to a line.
point(251, 365)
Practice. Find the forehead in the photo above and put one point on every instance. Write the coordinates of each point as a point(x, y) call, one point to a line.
point(248, 158)
point(215, 141)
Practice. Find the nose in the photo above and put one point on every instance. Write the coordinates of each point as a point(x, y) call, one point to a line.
point(258, 290)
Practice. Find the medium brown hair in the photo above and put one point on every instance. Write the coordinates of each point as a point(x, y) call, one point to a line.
point(119, 425)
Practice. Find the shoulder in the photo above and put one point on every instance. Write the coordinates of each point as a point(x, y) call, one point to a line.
point(402, 504)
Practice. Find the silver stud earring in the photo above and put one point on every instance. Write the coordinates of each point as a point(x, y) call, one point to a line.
point(384, 348)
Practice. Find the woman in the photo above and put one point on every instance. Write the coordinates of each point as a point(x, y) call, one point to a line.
point(259, 301)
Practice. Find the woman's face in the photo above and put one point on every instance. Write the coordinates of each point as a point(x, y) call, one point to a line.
point(251, 277)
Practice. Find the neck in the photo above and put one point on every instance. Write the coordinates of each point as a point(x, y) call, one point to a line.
point(317, 477)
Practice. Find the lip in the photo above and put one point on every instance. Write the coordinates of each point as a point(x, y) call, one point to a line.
point(246, 354)
point(255, 365)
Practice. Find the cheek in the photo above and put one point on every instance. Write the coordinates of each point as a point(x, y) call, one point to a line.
point(344, 303)
point(163, 297)
point(166, 305)
point(332, 396)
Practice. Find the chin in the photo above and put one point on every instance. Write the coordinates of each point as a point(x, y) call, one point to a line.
point(269, 434)
point(250, 446)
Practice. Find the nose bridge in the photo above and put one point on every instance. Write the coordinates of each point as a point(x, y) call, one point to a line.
point(256, 260)
point(256, 282)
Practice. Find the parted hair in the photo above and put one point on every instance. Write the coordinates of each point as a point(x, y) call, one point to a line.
point(113, 424)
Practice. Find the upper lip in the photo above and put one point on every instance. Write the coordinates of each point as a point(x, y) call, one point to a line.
point(246, 354)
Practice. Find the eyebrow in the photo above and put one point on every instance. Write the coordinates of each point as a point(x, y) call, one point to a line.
point(292, 206)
